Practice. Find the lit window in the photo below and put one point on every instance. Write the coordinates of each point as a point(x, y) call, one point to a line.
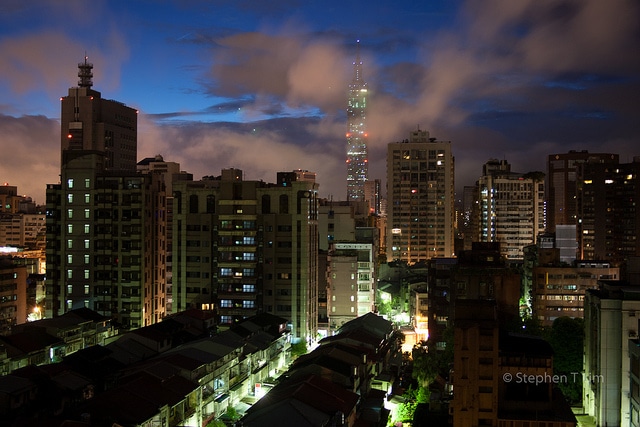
point(69, 244)
point(87, 183)
point(86, 258)
point(69, 289)
point(70, 213)
point(69, 274)
point(86, 213)
point(86, 274)
point(87, 228)
point(70, 183)
point(86, 289)
point(87, 198)
point(69, 304)
point(70, 198)
point(86, 244)
point(69, 259)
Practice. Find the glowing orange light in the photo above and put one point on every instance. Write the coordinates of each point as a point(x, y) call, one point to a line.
point(366, 134)
point(69, 136)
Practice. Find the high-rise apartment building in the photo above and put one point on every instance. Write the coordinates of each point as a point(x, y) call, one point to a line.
point(357, 157)
point(608, 216)
point(420, 199)
point(96, 240)
point(157, 286)
point(511, 208)
point(561, 184)
point(351, 268)
point(246, 247)
point(89, 122)
point(98, 216)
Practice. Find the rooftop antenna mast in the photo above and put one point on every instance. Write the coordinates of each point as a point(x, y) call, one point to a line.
point(85, 73)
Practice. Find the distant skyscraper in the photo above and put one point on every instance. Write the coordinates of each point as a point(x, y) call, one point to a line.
point(420, 194)
point(357, 158)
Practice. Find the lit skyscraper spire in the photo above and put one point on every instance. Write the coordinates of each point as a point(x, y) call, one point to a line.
point(357, 160)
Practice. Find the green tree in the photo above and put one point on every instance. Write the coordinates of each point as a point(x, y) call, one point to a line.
point(426, 366)
point(298, 349)
point(429, 362)
point(232, 413)
point(405, 410)
point(567, 339)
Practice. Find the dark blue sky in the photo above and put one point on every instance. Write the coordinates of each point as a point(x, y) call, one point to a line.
point(262, 86)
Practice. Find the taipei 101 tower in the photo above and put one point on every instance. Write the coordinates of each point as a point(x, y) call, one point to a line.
point(357, 161)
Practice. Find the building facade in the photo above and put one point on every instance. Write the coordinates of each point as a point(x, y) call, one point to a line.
point(157, 266)
point(25, 230)
point(420, 199)
point(245, 247)
point(98, 216)
point(13, 294)
point(351, 283)
point(511, 208)
point(96, 240)
point(608, 217)
point(561, 184)
point(611, 319)
point(558, 291)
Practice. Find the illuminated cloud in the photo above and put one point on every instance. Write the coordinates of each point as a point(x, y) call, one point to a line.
point(505, 79)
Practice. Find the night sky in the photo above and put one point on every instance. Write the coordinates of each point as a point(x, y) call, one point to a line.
point(262, 86)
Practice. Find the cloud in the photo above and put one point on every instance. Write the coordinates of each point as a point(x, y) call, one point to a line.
point(512, 79)
point(515, 80)
point(260, 149)
point(31, 154)
point(47, 62)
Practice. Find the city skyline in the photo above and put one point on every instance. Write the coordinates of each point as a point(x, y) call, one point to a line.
point(238, 85)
